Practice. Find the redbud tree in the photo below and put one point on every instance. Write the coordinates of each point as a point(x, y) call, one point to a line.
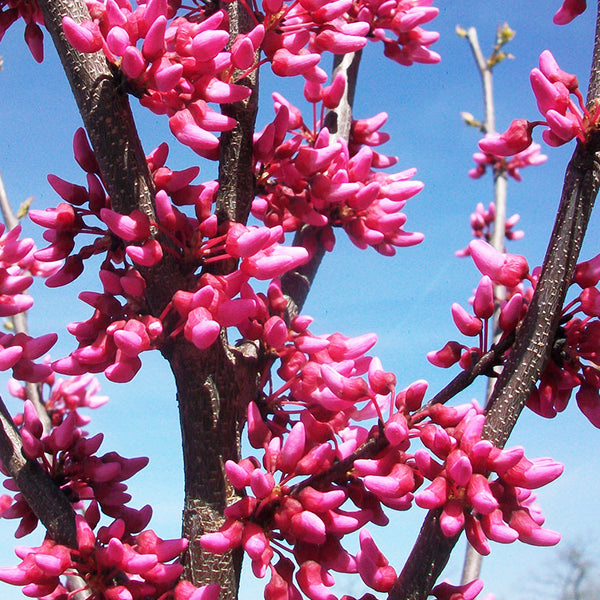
point(214, 275)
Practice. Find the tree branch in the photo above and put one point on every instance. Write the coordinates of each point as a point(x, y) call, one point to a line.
point(106, 114)
point(489, 125)
point(237, 180)
point(44, 497)
point(215, 386)
point(532, 346)
point(464, 379)
point(109, 123)
point(296, 284)
point(472, 563)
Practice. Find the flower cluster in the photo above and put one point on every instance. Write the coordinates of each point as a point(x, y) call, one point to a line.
point(18, 266)
point(116, 562)
point(112, 339)
point(68, 220)
point(498, 268)
point(63, 396)
point(531, 156)
point(298, 33)
point(501, 509)
point(111, 563)
point(315, 461)
point(566, 118)
point(322, 477)
point(575, 351)
point(574, 358)
point(214, 305)
point(482, 224)
point(314, 178)
point(180, 67)
point(70, 459)
point(177, 65)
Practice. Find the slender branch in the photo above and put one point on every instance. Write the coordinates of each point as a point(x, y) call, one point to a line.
point(339, 120)
point(7, 212)
point(237, 181)
point(44, 497)
point(109, 123)
point(473, 560)
point(19, 322)
point(106, 114)
point(465, 378)
point(369, 449)
point(489, 125)
point(532, 345)
point(297, 283)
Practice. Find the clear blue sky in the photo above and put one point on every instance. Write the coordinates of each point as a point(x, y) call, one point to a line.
point(406, 300)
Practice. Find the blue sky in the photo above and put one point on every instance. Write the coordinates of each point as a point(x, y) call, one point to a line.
point(405, 300)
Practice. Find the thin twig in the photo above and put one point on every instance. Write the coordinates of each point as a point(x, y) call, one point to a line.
point(473, 560)
point(464, 379)
point(489, 125)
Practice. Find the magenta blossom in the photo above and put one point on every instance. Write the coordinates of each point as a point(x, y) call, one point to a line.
point(569, 10)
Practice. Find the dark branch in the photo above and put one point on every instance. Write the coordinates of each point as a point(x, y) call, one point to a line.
point(532, 345)
point(297, 283)
point(465, 378)
point(44, 497)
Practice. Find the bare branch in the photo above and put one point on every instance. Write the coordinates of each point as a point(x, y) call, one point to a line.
point(7, 212)
point(489, 125)
point(472, 564)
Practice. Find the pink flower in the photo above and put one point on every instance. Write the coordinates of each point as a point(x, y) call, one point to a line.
point(314, 580)
point(134, 227)
point(274, 261)
point(503, 269)
point(85, 37)
point(515, 139)
point(286, 64)
point(569, 10)
point(373, 567)
point(468, 591)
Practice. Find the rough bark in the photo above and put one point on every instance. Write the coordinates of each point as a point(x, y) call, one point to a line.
point(104, 107)
point(213, 391)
